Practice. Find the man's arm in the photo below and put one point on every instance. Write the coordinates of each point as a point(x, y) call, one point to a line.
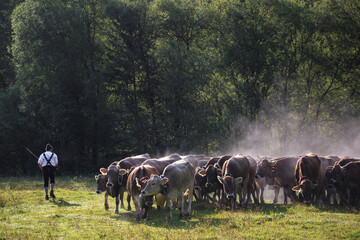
point(40, 166)
point(56, 161)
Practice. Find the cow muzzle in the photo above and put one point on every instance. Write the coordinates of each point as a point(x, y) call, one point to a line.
point(208, 185)
point(230, 195)
point(197, 187)
point(98, 191)
point(109, 184)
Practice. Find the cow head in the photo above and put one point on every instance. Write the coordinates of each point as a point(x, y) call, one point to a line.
point(337, 174)
point(211, 173)
point(200, 180)
point(305, 188)
point(154, 185)
point(101, 180)
point(114, 175)
point(230, 184)
point(263, 169)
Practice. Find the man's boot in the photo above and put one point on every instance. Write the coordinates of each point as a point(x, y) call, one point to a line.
point(52, 194)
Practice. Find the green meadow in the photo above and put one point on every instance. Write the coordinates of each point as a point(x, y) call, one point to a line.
point(78, 213)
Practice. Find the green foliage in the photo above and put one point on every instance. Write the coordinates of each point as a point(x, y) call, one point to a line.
point(102, 80)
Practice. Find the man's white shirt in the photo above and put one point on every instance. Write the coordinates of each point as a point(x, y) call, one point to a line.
point(42, 161)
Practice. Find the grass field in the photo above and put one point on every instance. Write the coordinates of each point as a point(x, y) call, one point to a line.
point(78, 213)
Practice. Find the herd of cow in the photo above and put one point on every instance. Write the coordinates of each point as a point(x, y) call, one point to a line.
point(174, 180)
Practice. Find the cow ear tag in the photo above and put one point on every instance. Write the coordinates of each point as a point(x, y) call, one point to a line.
point(164, 179)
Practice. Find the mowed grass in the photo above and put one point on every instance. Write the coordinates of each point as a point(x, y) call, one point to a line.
point(78, 213)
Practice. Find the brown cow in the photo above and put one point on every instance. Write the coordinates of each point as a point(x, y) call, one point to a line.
point(279, 173)
point(136, 181)
point(235, 180)
point(337, 181)
point(308, 177)
point(117, 182)
point(173, 183)
point(328, 192)
point(211, 171)
point(101, 181)
point(350, 175)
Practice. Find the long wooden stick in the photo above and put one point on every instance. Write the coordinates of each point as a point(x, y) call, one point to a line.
point(32, 153)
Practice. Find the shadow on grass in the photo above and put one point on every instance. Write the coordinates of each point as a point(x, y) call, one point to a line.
point(62, 203)
point(202, 213)
point(336, 209)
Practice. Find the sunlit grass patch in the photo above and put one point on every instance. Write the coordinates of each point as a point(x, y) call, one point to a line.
point(78, 212)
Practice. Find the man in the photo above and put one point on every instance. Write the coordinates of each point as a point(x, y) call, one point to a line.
point(47, 163)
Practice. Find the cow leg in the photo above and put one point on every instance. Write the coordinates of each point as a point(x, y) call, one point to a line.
point(137, 207)
point(169, 206)
point(214, 197)
point(277, 190)
point(262, 189)
point(122, 199)
point(190, 202)
point(335, 198)
point(285, 197)
point(253, 190)
point(181, 203)
point(106, 201)
point(128, 198)
point(117, 204)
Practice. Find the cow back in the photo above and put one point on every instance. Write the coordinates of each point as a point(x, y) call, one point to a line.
point(211, 161)
point(237, 166)
point(139, 172)
point(159, 165)
point(284, 168)
point(308, 166)
point(180, 174)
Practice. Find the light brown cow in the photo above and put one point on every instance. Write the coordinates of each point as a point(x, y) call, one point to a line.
point(175, 180)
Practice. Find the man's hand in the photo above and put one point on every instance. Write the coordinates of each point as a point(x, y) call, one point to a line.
point(40, 167)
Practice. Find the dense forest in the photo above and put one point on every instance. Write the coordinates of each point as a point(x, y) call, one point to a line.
point(104, 79)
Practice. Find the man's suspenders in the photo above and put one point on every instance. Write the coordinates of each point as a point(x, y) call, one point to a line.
point(48, 160)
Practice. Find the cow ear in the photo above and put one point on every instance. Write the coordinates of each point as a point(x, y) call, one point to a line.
point(221, 180)
point(103, 171)
point(122, 171)
point(96, 177)
point(238, 180)
point(202, 172)
point(138, 183)
point(296, 188)
point(164, 180)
